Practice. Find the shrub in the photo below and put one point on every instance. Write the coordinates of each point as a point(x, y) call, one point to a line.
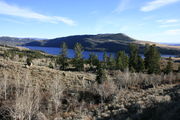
point(56, 90)
point(140, 80)
point(101, 76)
point(51, 65)
point(29, 61)
point(107, 90)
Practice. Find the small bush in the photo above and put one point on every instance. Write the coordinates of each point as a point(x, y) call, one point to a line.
point(127, 79)
point(51, 65)
point(107, 90)
point(29, 61)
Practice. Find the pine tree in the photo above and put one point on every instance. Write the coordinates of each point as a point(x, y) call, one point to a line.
point(133, 60)
point(78, 61)
point(62, 59)
point(169, 67)
point(152, 59)
point(93, 61)
point(121, 60)
point(111, 64)
point(105, 60)
point(146, 59)
point(140, 67)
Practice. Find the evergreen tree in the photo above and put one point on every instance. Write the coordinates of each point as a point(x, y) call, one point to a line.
point(133, 60)
point(62, 59)
point(152, 59)
point(121, 60)
point(169, 67)
point(111, 64)
point(146, 55)
point(93, 60)
point(105, 60)
point(78, 61)
point(101, 75)
point(140, 67)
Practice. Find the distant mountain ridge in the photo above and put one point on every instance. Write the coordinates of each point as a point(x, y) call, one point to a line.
point(99, 42)
point(13, 41)
point(103, 42)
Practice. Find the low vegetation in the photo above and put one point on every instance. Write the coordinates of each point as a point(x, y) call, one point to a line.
point(122, 87)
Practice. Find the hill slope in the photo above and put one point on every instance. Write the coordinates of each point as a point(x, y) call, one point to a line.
point(13, 41)
point(100, 42)
point(103, 42)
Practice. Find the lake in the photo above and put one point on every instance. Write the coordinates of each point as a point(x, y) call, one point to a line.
point(56, 51)
point(71, 53)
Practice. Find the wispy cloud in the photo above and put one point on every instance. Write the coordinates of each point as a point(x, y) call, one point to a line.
point(153, 5)
point(173, 32)
point(169, 25)
point(13, 10)
point(168, 21)
point(123, 5)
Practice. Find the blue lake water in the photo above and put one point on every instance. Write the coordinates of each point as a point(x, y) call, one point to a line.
point(56, 51)
point(71, 53)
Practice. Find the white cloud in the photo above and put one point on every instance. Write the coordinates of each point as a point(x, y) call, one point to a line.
point(12, 10)
point(168, 21)
point(169, 25)
point(153, 5)
point(123, 5)
point(173, 32)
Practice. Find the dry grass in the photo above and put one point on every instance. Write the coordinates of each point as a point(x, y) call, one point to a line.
point(140, 80)
point(56, 91)
point(27, 88)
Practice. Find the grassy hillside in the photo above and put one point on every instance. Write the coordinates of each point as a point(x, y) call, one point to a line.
point(38, 92)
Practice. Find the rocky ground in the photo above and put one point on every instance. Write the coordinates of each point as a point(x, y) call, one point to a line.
point(153, 103)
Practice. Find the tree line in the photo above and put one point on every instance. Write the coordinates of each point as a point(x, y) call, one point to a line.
point(120, 61)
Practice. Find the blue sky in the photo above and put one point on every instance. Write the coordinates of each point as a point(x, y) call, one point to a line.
point(151, 20)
